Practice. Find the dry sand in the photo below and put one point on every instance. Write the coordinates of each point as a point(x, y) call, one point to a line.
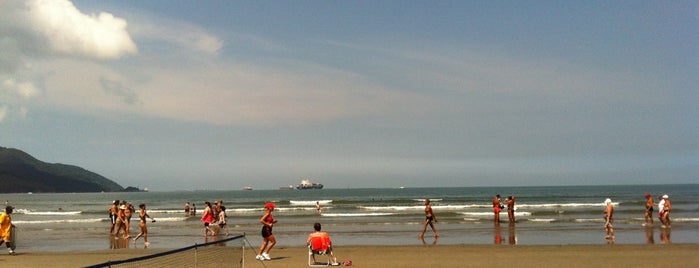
point(673, 255)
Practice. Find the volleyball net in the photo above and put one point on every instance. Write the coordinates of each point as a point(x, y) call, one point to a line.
point(220, 253)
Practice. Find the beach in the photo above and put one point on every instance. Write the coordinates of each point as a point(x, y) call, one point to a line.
point(673, 255)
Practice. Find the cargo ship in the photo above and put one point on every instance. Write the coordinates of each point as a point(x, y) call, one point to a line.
point(308, 184)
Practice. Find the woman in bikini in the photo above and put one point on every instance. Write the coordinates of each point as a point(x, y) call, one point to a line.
point(429, 219)
point(144, 230)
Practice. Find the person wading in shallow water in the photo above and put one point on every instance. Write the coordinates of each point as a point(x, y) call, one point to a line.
point(497, 207)
point(609, 219)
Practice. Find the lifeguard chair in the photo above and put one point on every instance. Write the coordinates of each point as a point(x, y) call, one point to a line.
point(320, 245)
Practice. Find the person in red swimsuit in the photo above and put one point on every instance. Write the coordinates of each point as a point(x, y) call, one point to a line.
point(497, 208)
point(207, 217)
point(269, 240)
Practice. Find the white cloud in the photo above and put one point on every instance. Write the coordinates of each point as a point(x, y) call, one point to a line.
point(25, 90)
point(170, 31)
point(38, 28)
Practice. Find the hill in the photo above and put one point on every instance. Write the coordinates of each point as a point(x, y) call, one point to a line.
point(21, 173)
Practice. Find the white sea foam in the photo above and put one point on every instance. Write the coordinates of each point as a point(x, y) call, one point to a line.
point(556, 205)
point(431, 200)
point(309, 203)
point(59, 221)
point(522, 213)
point(405, 208)
point(46, 213)
point(685, 219)
point(542, 220)
point(356, 214)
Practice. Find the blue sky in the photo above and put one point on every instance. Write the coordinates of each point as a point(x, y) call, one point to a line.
point(175, 95)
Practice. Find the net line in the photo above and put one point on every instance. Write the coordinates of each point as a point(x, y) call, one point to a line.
point(211, 254)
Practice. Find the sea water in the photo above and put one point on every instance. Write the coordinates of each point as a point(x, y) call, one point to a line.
point(545, 216)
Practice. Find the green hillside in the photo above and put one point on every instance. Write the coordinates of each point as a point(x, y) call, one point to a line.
point(21, 173)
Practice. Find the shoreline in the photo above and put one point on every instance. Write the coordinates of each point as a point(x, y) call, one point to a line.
point(413, 256)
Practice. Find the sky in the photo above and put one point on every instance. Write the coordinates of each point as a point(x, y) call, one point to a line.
point(218, 95)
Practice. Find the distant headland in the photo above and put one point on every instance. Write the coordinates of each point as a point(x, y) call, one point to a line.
point(22, 173)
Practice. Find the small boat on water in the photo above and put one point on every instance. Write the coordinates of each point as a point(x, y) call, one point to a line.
point(308, 184)
point(247, 188)
point(290, 187)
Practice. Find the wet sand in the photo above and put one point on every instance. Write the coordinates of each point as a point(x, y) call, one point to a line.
point(672, 255)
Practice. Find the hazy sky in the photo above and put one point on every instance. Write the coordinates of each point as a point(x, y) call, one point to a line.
point(174, 95)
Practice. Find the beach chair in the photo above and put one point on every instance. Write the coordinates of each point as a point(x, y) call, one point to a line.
point(319, 247)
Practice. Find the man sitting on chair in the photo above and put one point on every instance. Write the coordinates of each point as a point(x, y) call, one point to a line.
point(322, 244)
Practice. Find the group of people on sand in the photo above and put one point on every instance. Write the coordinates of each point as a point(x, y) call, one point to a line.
point(213, 217)
point(120, 214)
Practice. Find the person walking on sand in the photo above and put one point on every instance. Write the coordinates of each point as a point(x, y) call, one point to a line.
point(648, 217)
point(497, 207)
point(608, 216)
point(510, 202)
point(142, 214)
point(269, 240)
point(207, 217)
point(6, 228)
point(429, 219)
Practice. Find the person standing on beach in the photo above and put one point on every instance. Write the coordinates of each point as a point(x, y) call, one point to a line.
point(120, 221)
point(222, 224)
point(318, 208)
point(648, 217)
point(113, 211)
point(269, 240)
point(429, 219)
point(608, 216)
point(207, 217)
point(186, 209)
point(142, 214)
point(6, 228)
point(666, 212)
point(510, 202)
point(128, 212)
point(497, 207)
point(661, 207)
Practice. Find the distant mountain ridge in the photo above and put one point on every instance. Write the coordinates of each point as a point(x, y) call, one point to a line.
point(21, 173)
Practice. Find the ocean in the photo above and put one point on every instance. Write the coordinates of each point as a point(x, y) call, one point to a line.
point(546, 215)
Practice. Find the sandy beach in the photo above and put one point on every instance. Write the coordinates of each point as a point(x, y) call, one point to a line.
point(672, 255)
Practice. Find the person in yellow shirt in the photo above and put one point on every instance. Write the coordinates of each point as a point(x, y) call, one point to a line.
point(6, 228)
